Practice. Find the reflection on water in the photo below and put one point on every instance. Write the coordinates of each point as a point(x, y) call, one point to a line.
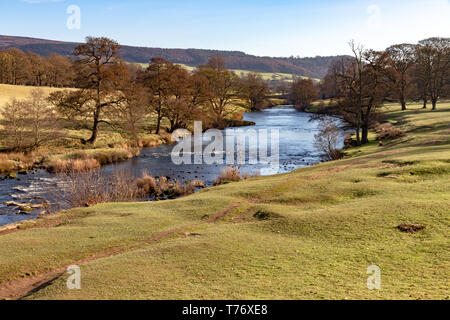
point(296, 149)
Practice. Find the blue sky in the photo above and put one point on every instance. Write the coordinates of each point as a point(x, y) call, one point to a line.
point(260, 27)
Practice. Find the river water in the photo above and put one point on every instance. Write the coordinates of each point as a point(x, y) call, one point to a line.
point(296, 149)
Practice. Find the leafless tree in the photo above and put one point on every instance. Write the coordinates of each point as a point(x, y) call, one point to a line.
point(222, 87)
point(14, 125)
point(400, 60)
point(30, 123)
point(327, 140)
point(433, 67)
point(255, 91)
point(100, 73)
point(303, 93)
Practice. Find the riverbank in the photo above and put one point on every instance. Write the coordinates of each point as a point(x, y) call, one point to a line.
point(308, 234)
point(296, 149)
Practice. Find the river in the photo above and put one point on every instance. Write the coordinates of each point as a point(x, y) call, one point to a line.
point(296, 149)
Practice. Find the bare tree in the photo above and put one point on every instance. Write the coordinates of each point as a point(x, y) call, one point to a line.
point(183, 103)
point(433, 59)
point(303, 93)
point(30, 123)
point(157, 79)
point(327, 140)
point(39, 69)
point(14, 125)
point(360, 89)
point(400, 59)
point(60, 72)
point(20, 68)
point(99, 75)
point(255, 91)
point(222, 87)
point(131, 113)
point(356, 82)
point(41, 118)
point(216, 62)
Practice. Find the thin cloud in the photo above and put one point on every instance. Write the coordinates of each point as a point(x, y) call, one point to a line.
point(41, 1)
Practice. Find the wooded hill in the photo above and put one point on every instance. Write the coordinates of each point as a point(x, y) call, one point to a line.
point(315, 67)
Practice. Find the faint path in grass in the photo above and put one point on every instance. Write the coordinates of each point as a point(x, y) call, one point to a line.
point(20, 288)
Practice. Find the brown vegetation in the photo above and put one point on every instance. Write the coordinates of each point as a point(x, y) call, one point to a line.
point(29, 123)
point(19, 68)
point(84, 186)
point(232, 174)
point(255, 91)
point(327, 140)
point(303, 93)
point(387, 131)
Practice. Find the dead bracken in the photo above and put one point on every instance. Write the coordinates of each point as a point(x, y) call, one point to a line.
point(410, 228)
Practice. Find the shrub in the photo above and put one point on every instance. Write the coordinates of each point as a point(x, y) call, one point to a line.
point(387, 131)
point(89, 187)
point(5, 164)
point(231, 174)
point(327, 141)
point(197, 183)
point(147, 143)
point(228, 174)
point(147, 184)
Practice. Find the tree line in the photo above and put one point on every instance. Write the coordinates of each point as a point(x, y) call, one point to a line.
point(20, 68)
point(128, 97)
point(315, 67)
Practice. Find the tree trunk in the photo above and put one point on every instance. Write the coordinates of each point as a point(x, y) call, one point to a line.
point(365, 134)
point(358, 128)
point(433, 103)
point(425, 102)
point(403, 103)
point(158, 123)
point(94, 128)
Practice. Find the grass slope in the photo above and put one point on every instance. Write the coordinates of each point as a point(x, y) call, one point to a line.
point(309, 234)
point(7, 92)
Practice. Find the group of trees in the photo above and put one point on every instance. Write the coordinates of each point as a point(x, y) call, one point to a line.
point(111, 91)
point(108, 90)
point(19, 68)
point(361, 84)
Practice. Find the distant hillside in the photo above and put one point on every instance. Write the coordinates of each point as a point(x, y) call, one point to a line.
point(310, 67)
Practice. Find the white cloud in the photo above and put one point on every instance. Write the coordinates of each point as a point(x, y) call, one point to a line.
point(374, 21)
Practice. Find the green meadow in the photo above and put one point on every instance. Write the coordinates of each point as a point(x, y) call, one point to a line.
point(308, 234)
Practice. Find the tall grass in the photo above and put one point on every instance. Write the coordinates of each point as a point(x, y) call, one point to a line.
point(5, 164)
point(72, 166)
point(83, 186)
point(17, 161)
point(232, 174)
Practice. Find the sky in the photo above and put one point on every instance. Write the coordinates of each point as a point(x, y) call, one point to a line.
point(260, 27)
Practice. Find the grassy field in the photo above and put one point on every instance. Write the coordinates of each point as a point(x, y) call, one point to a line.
point(7, 92)
point(309, 234)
